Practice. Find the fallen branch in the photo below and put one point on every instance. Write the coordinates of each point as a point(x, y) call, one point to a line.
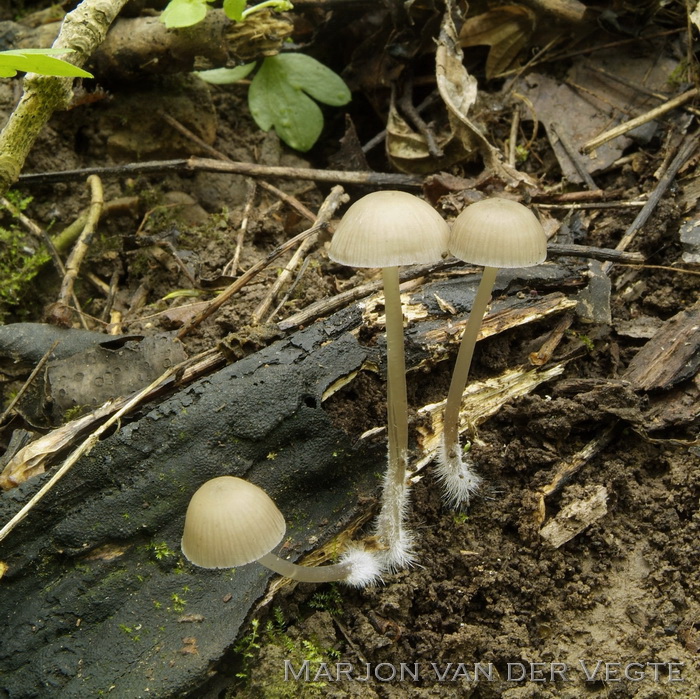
point(195, 164)
point(82, 31)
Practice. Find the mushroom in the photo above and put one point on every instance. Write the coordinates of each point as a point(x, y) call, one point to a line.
point(387, 229)
point(231, 522)
point(493, 233)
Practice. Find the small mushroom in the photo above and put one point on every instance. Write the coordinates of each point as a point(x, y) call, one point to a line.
point(231, 522)
point(387, 229)
point(493, 233)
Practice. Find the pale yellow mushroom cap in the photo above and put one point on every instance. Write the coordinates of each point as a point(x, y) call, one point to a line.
point(230, 522)
point(389, 229)
point(498, 233)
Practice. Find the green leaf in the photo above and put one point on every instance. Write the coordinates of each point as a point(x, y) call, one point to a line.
point(226, 76)
point(306, 73)
point(39, 61)
point(275, 102)
point(183, 13)
point(234, 9)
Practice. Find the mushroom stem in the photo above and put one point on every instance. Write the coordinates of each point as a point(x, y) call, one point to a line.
point(397, 402)
point(390, 523)
point(457, 475)
point(357, 568)
point(314, 574)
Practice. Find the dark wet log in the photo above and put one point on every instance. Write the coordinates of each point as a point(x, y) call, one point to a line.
point(96, 592)
point(96, 596)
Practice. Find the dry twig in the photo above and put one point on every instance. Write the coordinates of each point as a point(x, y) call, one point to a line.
point(244, 279)
point(641, 119)
point(335, 199)
point(82, 245)
point(196, 164)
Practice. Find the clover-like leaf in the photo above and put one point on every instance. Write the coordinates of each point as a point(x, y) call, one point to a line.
point(278, 97)
point(41, 61)
point(183, 13)
point(234, 9)
point(319, 81)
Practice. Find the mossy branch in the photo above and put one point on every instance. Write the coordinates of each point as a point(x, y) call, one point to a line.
point(82, 31)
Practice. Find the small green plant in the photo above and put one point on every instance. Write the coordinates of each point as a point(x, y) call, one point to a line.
point(42, 61)
point(131, 631)
point(285, 89)
point(247, 647)
point(460, 518)
point(20, 260)
point(179, 603)
point(329, 600)
point(284, 92)
point(185, 13)
point(160, 550)
point(586, 341)
point(521, 154)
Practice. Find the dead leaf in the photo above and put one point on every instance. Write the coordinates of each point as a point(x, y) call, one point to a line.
point(458, 90)
point(598, 92)
point(408, 150)
point(507, 30)
point(32, 459)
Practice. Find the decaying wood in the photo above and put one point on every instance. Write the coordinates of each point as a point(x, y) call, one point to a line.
point(480, 401)
point(140, 46)
point(575, 517)
point(568, 468)
point(76, 454)
point(545, 352)
point(35, 372)
point(502, 318)
point(671, 356)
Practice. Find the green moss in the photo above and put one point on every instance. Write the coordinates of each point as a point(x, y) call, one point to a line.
point(269, 680)
point(20, 262)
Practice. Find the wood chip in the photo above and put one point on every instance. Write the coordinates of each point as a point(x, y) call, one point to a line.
point(671, 356)
point(575, 517)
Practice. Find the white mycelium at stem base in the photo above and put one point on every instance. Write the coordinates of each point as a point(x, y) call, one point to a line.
point(231, 522)
point(493, 233)
point(388, 229)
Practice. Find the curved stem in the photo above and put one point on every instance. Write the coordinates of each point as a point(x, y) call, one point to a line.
point(313, 574)
point(357, 567)
point(460, 373)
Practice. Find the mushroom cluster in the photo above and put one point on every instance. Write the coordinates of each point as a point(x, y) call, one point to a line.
point(231, 522)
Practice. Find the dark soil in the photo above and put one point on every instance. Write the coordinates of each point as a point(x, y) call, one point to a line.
point(490, 609)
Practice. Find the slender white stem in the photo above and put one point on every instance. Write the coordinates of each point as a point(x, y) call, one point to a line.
point(287, 569)
point(357, 567)
point(390, 523)
point(458, 477)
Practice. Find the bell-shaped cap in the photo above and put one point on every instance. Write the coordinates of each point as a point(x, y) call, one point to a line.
point(389, 229)
point(498, 233)
point(230, 522)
